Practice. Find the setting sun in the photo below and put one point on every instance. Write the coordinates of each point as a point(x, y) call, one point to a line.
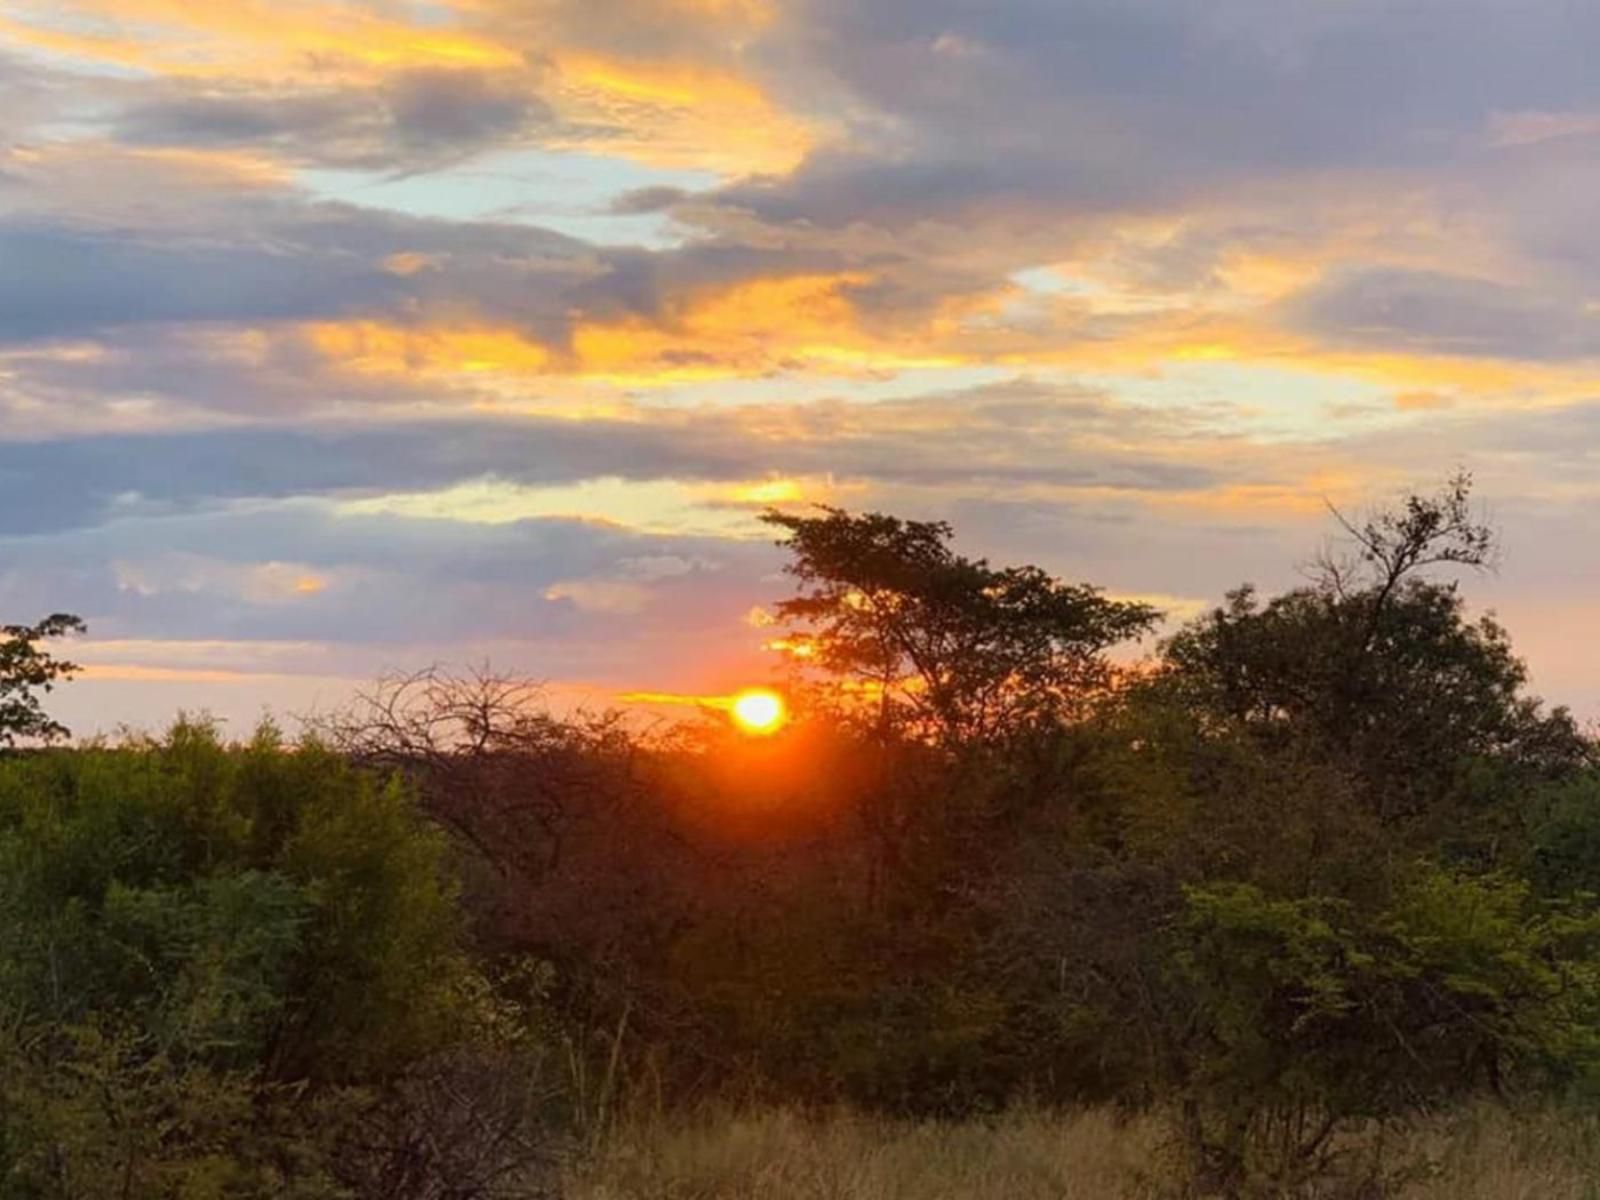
point(759, 711)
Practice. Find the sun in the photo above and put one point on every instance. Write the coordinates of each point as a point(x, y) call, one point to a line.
point(759, 711)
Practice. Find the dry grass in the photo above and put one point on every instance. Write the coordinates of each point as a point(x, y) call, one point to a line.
point(850, 1157)
point(1488, 1154)
point(777, 1155)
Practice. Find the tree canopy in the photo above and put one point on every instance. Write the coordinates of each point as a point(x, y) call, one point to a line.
point(1376, 665)
point(939, 645)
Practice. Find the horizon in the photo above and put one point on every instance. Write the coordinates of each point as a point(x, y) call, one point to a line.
point(340, 337)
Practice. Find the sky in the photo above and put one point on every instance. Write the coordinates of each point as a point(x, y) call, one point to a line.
point(340, 337)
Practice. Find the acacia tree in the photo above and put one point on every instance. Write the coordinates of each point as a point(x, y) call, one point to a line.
point(943, 647)
point(28, 669)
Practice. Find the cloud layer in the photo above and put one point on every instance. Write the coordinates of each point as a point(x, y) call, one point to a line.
point(337, 336)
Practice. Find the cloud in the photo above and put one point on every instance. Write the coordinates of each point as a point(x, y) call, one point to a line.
point(62, 283)
point(414, 119)
point(1434, 313)
point(383, 86)
point(1015, 435)
point(1091, 278)
point(648, 200)
point(260, 255)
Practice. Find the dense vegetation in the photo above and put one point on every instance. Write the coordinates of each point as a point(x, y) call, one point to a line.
point(1316, 869)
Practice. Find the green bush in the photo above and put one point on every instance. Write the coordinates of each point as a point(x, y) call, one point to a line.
point(215, 962)
point(1307, 1018)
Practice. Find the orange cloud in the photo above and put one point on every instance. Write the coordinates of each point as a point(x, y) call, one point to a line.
point(135, 673)
point(796, 647)
point(689, 114)
point(373, 347)
point(1421, 401)
point(771, 491)
point(756, 327)
point(250, 39)
point(751, 328)
point(673, 114)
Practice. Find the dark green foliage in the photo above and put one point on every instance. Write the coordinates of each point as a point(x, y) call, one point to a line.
point(1404, 710)
point(216, 965)
point(1376, 671)
point(1297, 1019)
point(1564, 850)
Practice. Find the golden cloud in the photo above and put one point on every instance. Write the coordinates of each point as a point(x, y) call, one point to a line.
point(673, 113)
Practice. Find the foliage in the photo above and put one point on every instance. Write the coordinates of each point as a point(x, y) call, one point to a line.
point(87, 1110)
point(1376, 670)
point(215, 963)
point(1564, 837)
point(939, 645)
point(1319, 869)
point(1305, 1018)
point(26, 670)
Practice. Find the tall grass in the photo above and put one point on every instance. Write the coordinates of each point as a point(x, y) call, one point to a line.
point(1479, 1154)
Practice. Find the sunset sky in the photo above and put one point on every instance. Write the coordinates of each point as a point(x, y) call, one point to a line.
point(339, 336)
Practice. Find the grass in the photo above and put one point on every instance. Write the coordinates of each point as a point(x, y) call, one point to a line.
point(1486, 1153)
point(1479, 1154)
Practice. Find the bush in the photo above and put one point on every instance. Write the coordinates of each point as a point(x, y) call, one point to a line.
point(216, 965)
point(1307, 1018)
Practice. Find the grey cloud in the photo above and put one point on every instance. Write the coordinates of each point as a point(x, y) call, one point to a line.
point(278, 261)
point(416, 119)
point(272, 257)
point(454, 111)
point(1002, 436)
point(391, 580)
point(647, 200)
point(1098, 104)
point(1433, 313)
point(29, 95)
point(176, 374)
point(205, 119)
point(61, 282)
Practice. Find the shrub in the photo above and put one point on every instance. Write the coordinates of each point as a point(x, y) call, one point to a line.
point(216, 964)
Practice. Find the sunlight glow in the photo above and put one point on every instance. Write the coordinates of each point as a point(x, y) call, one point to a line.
point(760, 711)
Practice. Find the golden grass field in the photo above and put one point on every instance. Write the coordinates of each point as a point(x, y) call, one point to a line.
point(1480, 1154)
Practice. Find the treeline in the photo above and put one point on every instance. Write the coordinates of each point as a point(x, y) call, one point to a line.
point(1315, 865)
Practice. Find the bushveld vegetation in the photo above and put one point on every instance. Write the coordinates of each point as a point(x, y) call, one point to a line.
point(1300, 905)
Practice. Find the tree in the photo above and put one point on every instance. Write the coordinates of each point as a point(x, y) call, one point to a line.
point(1376, 668)
point(27, 669)
point(493, 765)
point(939, 646)
point(1391, 544)
point(1281, 902)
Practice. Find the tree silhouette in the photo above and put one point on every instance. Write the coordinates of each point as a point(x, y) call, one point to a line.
point(941, 646)
point(26, 670)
